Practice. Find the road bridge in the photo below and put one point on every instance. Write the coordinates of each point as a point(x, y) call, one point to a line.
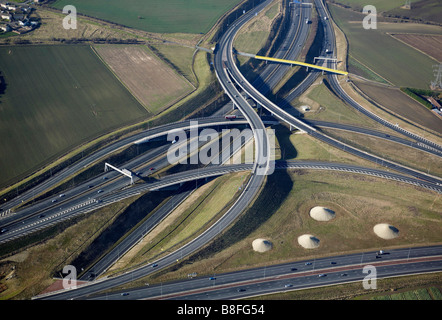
point(294, 62)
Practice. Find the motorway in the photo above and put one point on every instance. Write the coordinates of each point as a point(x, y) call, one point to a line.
point(285, 277)
point(112, 148)
point(83, 204)
point(284, 116)
point(228, 75)
point(260, 169)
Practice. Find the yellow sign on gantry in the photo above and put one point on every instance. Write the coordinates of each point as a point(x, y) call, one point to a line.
point(302, 64)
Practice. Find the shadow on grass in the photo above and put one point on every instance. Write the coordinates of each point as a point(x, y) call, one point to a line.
point(275, 191)
point(288, 151)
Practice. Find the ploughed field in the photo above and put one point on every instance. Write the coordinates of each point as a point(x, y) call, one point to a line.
point(151, 81)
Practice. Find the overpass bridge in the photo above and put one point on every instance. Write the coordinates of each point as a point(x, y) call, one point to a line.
point(294, 62)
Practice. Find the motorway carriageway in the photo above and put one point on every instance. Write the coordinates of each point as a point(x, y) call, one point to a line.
point(282, 115)
point(283, 277)
point(233, 93)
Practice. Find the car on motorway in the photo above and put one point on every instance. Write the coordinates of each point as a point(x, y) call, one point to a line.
point(241, 290)
point(154, 265)
point(3, 230)
point(212, 278)
point(41, 216)
point(333, 262)
point(294, 269)
point(322, 275)
point(308, 263)
point(61, 195)
point(288, 285)
point(343, 274)
point(100, 191)
point(151, 169)
point(90, 186)
point(125, 294)
point(54, 200)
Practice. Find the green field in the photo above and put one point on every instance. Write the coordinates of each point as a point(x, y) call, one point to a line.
point(190, 16)
point(56, 97)
point(381, 5)
point(374, 49)
point(427, 10)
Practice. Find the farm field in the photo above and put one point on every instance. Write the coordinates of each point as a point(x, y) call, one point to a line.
point(190, 16)
point(56, 97)
point(429, 44)
point(381, 5)
point(151, 81)
point(396, 101)
point(383, 55)
point(181, 57)
point(426, 10)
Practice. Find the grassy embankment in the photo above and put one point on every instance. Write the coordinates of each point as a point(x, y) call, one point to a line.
point(253, 36)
